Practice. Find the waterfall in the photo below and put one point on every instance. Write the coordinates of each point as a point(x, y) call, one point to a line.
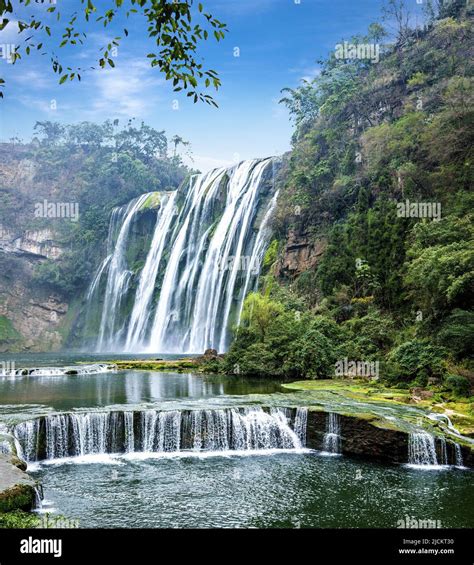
point(332, 437)
point(250, 429)
point(205, 255)
point(59, 371)
point(115, 264)
point(141, 307)
point(421, 449)
point(458, 462)
point(301, 424)
point(443, 451)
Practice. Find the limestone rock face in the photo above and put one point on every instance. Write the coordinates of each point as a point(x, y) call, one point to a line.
point(30, 315)
point(299, 255)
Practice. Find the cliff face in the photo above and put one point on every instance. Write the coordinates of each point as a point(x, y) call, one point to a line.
point(31, 314)
point(299, 255)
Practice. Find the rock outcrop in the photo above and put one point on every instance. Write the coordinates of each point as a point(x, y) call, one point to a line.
point(299, 255)
point(18, 491)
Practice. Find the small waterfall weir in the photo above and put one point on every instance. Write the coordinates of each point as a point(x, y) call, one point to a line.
point(185, 289)
point(422, 449)
point(237, 430)
point(332, 437)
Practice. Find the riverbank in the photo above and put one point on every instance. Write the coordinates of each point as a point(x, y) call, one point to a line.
point(209, 362)
point(460, 411)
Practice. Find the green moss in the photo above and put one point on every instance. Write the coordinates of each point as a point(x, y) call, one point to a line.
point(153, 201)
point(19, 497)
point(7, 331)
point(271, 254)
point(150, 365)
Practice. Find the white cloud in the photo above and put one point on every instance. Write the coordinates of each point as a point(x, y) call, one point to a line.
point(33, 79)
point(128, 90)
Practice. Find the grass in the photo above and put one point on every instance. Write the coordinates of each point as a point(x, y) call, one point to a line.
point(150, 365)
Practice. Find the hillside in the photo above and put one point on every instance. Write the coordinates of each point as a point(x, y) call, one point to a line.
point(56, 196)
point(373, 261)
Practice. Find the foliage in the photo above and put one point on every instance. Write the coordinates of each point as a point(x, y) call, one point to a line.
point(18, 519)
point(417, 359)
point(368, 138)
point(97, 167)
point(457, 384)
point(169, 25)
point(457, 332)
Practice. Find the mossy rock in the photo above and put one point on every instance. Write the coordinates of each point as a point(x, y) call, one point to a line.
point(18, 497)
point(153, 201)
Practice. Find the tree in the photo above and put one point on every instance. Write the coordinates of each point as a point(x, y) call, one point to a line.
point(397, 11)
point(178, 140)
point(144, 143)
point(52, 132)
point(169, 24)
point(258, 313)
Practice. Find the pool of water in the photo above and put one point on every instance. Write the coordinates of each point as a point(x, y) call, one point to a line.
point(66, 392)
point(125, 387)
point(296, 489)
point(262, 491)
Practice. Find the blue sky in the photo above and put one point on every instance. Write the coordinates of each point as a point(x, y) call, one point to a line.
point(279, 42)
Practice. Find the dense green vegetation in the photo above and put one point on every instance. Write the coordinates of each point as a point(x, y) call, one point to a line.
point(94, 167)
point(389, 287)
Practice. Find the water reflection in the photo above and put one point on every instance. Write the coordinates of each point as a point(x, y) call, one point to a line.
point(126, 387)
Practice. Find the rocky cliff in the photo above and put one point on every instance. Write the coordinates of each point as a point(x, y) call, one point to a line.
point(31, 315)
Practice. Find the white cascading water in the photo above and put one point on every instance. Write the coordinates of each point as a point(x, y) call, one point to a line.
point(247, 430)
point(205, 259)
point(118, 275)
point(458, 460)
point(332, 437)
point(92, 369)
point(141, 307)
point(422, 449)
point(199, 284)
point(443, 451)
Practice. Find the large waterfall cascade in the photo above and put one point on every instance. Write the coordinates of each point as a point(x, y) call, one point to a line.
point(247, 430)
point(204, 256)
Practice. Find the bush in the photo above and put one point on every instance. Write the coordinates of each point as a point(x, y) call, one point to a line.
point(457, 384)
point(18, 519)
point(457, 332)
point(416, 359)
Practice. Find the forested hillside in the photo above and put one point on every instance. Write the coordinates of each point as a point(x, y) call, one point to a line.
point(56, 196)
point(374, 258)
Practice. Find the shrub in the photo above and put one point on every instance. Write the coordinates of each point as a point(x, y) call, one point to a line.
point(416, 359)
point(457, 384)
